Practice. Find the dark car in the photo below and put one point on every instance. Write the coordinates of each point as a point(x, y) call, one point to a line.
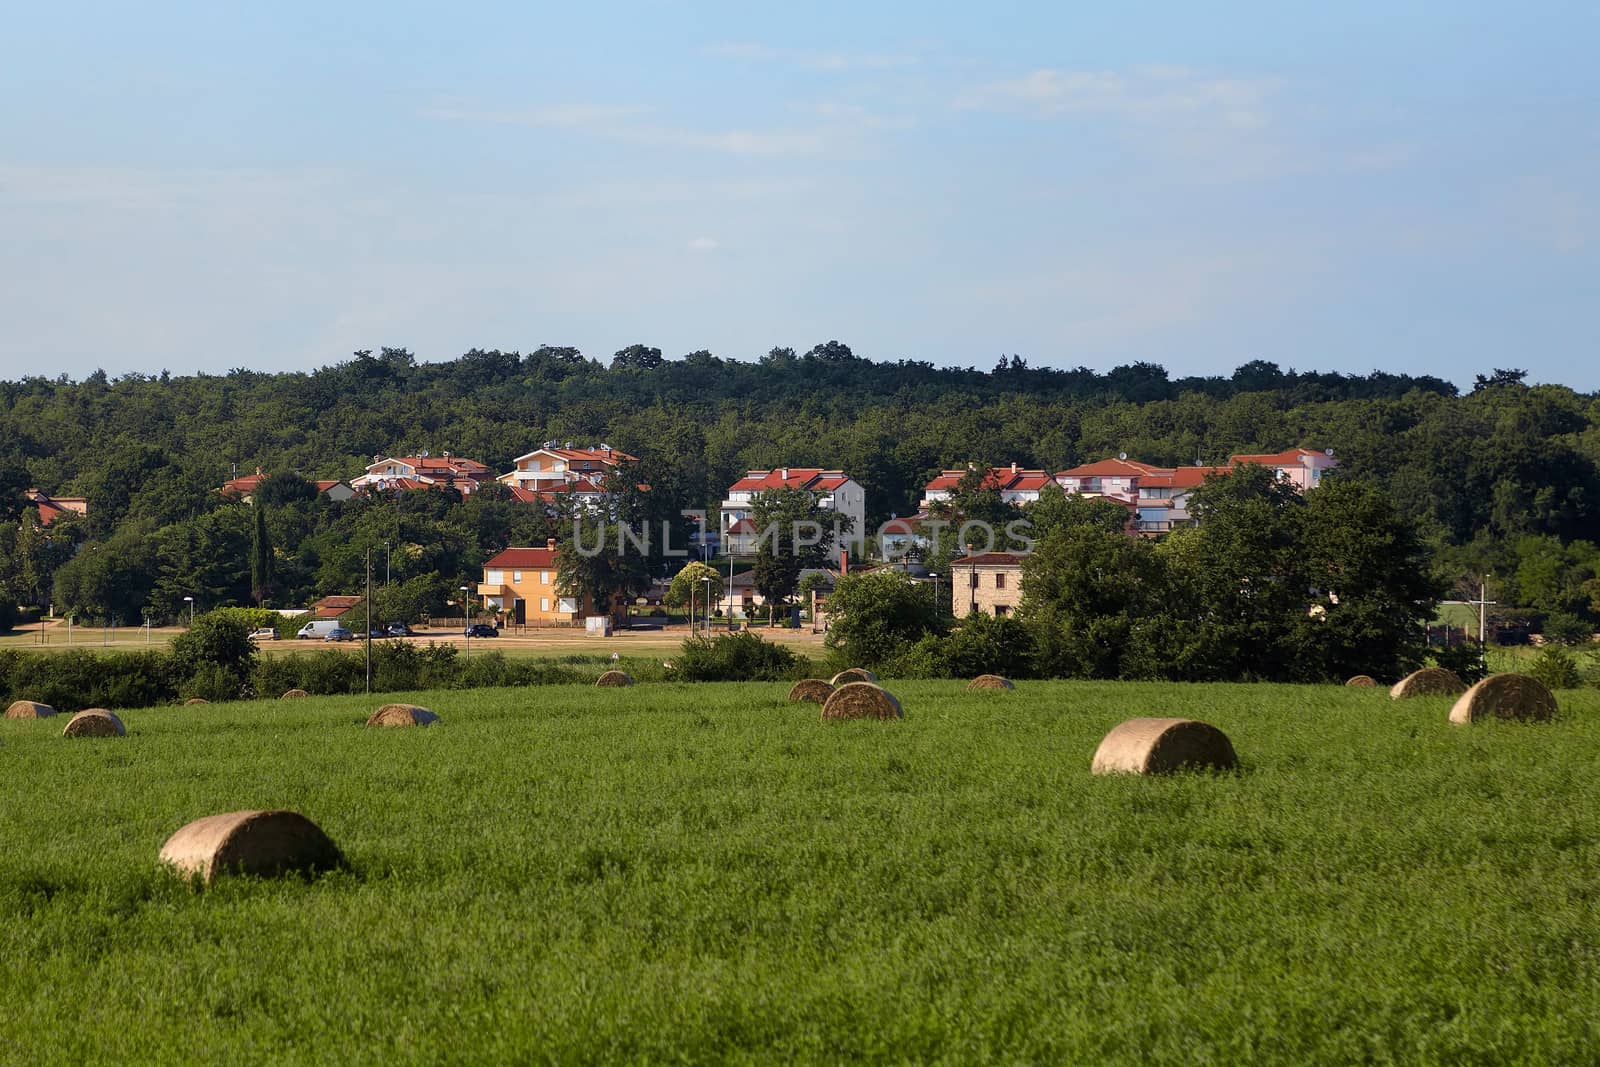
point(377, 632)
point(339, 633)
point(399, 629)
point(482, 629)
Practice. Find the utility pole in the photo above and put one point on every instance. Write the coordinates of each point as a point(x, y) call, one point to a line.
point(1483, 603)
point(369, 617)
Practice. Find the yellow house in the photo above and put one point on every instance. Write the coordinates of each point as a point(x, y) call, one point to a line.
point(520, 584)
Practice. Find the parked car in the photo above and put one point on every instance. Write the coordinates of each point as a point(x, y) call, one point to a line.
point(482, 629)
point(400, 629)
point(377, 632)
point(266, 633)
point(339, 633)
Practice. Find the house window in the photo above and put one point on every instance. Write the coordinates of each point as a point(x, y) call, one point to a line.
point(544, 577)
point(544, 603)
point(516, 577)
point(567, 604)
point(972, 579)
point(1001, 610)
point(1000, 581)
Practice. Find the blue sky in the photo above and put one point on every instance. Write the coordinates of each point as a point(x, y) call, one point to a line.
point(1406, 187)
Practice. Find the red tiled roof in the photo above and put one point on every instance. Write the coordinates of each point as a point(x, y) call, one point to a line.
point(815, 478)
point(331, 607)
point(324, 484)
point(52, 508)
point(1013, 478)
point(1111, 468)
point(990, 559)
point(743, 526)
point(518, 558)
point(1288, 457)
point(609, 456)
point(1182, 477)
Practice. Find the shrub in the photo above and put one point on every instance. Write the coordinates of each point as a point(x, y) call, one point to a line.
point(219, 639)
point(1556, 668)
point(736, 657)
point(1564, 628)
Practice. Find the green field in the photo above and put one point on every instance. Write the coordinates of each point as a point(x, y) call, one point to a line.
point(705, 872)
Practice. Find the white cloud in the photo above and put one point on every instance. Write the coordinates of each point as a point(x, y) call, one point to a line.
point(1142, 94)
point(703, 244)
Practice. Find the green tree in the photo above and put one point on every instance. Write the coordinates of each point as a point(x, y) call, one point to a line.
point(690, 583)
point(261, 579)
point(794, 533)
point(875, 616)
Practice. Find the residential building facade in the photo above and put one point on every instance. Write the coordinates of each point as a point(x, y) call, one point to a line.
point(521, 586)
point(989, 583)
point(422, 471)
point(550, 467)
point(834, 490)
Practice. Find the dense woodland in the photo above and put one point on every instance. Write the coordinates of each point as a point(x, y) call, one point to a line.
point(1503, 481)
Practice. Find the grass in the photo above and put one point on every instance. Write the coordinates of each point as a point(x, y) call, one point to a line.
point(689, 873)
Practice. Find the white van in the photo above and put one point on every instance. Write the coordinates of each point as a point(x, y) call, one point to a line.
point(318, 629)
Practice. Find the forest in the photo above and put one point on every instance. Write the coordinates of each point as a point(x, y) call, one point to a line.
point(1501, 483)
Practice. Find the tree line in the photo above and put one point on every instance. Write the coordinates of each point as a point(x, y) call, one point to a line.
point(1501, 483)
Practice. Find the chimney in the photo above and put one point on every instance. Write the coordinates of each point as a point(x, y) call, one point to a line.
point(550, 543)
point(786, 474)
point(1013, 467)
point(844, 561)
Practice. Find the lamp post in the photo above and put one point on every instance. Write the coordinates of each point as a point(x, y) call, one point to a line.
point(706, 581)
point(972, 583)
point(466, 600)
point(386, 564)
point(936, 612)
point(190, 601)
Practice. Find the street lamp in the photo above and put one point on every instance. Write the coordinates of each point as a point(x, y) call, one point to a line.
point(386, 564)
point(706, 581)
point(467, 611)
point(190, 601)
point(936, 612)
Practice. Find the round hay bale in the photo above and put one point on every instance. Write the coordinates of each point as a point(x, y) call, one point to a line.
point(192, 701)
point(1161, 746)
point(1428, 682)
point(1505, 696)
point(29, 709)
point(990, 681)
point(1362, 681)
point(852, 674)
point(263, 843)
point(861, 700)
point(94, 722)
point(813, 689)
point(295, 694)
point(612, 679)
point(402, 715)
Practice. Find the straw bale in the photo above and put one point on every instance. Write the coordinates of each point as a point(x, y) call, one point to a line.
point(195, 700)
point(852, 674)
point(612, 679)
point(1505, 696)
point(262, 843)
point(990, 681)
point(94, 722)
point(815, 690)
point(402, 715)
point(294, 694)
point(861, 700)
point(29, 709)
point(1362, 681)
point(1161, 746)
point(1428, 682)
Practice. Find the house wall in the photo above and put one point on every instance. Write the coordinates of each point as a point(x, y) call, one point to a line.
point(998, 589)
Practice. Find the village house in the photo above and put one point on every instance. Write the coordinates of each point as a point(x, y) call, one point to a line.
point(989, 583)
point(550, 467)
point(1117, 478)
point(521, 586)
point(834, 491)
point(52, 508)
point(1164, 497)
point(243, 488)
point(1017, 485)
point(421, 471)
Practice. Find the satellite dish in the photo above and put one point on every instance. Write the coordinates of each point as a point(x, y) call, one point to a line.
point(1122, 455)
point(423, 453)
point(1329, 451)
